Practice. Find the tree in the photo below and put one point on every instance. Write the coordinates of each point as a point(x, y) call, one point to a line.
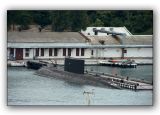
point(24, 19)
point(98, 23)
point(12, 17)
point(41, 18)
point(79, 20)
point(137, 21)
point(61, 21)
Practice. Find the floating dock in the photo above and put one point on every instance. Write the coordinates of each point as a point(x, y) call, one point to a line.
point(124, 82)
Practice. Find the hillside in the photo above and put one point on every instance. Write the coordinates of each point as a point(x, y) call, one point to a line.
point(136, 21)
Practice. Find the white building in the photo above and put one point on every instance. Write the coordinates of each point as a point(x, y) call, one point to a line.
point(89, 30)
point(116, 46)
point(132, 47)
point(58, 45)
point(44, 45)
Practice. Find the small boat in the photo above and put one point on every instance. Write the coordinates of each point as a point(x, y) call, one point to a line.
point(35, 64)
point(16, 64)
point(125, 63)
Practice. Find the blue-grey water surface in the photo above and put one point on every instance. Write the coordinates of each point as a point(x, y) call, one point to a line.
point(26, 88)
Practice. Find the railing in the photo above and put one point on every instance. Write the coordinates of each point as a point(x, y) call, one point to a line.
point(118, 81)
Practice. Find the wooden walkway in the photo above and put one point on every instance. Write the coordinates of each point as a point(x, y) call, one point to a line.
point(123, 83)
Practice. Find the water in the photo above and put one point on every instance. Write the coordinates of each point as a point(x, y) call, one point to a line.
point(141, 72)
point(26, 88)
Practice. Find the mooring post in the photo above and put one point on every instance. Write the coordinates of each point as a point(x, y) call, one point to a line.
point(88, 96)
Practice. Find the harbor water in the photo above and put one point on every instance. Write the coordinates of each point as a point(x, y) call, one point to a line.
point(27, 88)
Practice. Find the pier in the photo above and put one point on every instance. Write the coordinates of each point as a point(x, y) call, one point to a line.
point(123, 82)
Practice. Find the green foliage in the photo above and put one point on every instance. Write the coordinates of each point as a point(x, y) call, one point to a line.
point(98, 23)
point(41, 18)
point(22, 18)
point(137, 21)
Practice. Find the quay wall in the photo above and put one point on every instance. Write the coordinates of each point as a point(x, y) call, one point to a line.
point(87, 61)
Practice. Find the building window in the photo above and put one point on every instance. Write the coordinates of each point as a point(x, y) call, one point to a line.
point(37, 51)
point(92, 52)
point(42, 51)
point(64, 51)
point(82, 51)
point(55, 51)
point(11, 54)
point(69, 51)
point(95, 33)
point(27, 52)
point(12, 51)
point(50, 51)
point(124, 51)
point(77, 51)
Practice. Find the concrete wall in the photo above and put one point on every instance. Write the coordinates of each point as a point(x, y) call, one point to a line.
point(87, 53)
point(31, 51)
point(8, 53)
point(97, 53)
point(117, 52)
point(138, 52)
point(112, 52)
point(107, 52)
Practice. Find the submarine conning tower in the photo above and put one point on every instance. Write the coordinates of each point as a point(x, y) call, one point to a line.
point(74, 65)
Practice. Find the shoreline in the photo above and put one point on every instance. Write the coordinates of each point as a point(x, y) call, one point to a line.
point(88, 62)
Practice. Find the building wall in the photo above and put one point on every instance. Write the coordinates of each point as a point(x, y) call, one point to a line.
point(87, 53)
point(8, 53)
point(107, 52)
point(112, 52)
point(117, 52)
point(31, 55)
point(97, 53)
point(138, 52)
point(32, 52)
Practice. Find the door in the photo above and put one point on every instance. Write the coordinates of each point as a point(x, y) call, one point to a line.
point(19, 54)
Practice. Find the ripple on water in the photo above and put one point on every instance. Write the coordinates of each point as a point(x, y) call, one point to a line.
point(26, 88)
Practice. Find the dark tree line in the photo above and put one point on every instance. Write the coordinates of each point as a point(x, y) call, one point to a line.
point(138, 22)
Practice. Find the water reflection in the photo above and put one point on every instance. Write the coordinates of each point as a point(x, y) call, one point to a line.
point(141, 72)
